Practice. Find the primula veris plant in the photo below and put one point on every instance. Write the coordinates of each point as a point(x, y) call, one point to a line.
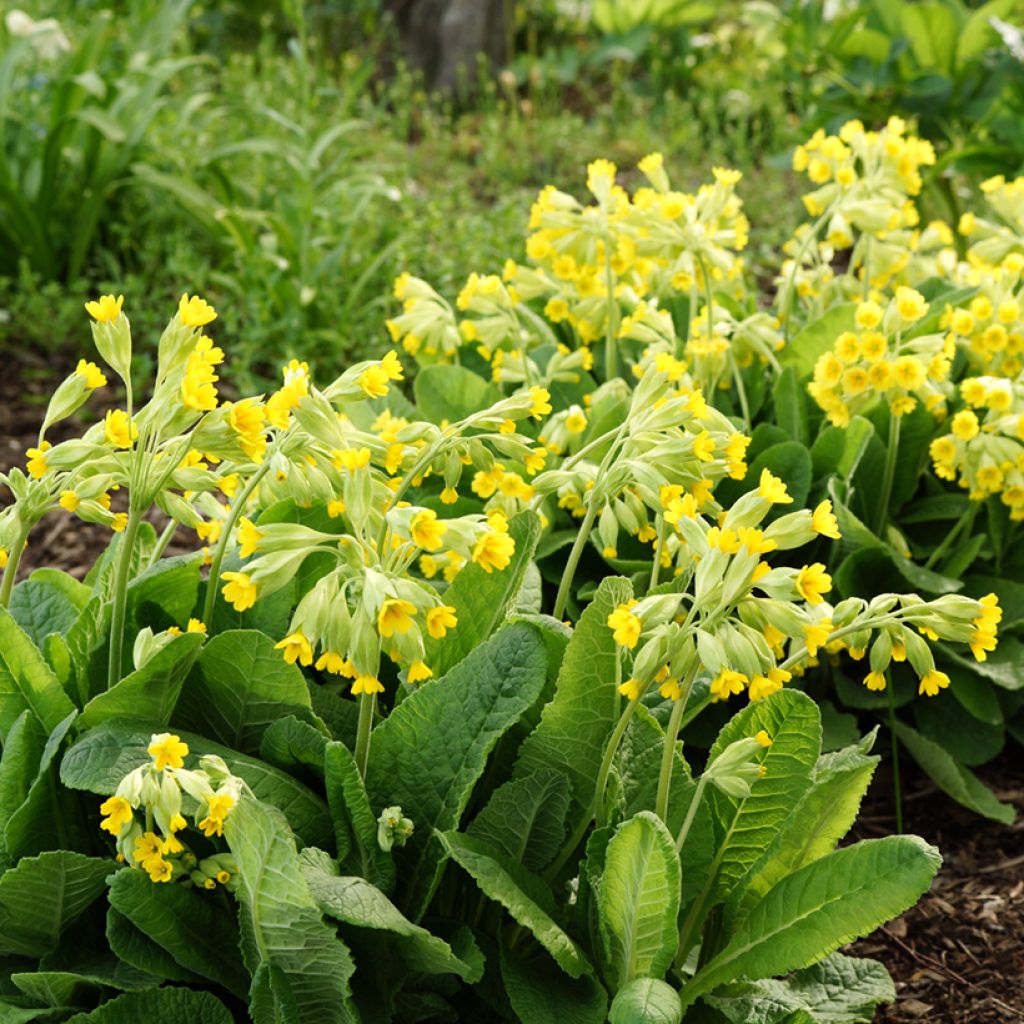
point(421, 728)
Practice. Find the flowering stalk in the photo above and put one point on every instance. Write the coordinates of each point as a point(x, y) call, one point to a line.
point(668, 754)
point(787, 304)
point(565, 586)
point(119, 599)
point(611, 362)
point(897, 792)
point(11, 568)
point(889, 473)
point(691, 813)
point(367, 701)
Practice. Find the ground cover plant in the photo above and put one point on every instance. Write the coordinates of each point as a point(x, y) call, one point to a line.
point(491, 693)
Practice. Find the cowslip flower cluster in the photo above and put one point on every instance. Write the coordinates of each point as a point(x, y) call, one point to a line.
point(883, 359)
point(984, 448)
point(994, 240)
point(990, 328)
point(149, 813)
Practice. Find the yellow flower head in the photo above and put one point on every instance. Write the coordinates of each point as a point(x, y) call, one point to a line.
point(541, 402)
point(932, 682)
point(167, 751)
point(418, 672)
point(239, 590)
point(395, 616)
point(875, 681)
point(217, 808)
point(195, 312)
point(69, 501)
point(296, 648)
point(910, 305)
point(374, 381)
point(392, 366)
point(366, 684)
point(727, 683)
point(625, 626)
point(91, 374)
point(427, 530)
point(824, 522)
point(493, 550)
point(812, 581)
point(117, 430)
point(440, 619)
point(249, 537)
point(118, 814)
point(105, 309)
point(772, 489)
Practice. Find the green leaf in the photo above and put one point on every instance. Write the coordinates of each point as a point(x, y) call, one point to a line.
point(150, 693)
point(789, 461)
point(281, 922)
point(953, 778)
point(1003, 666)
point(355, 824)
point(427, 755)
point(19, 763)
point(542, 994)
point(43, 895)
point(638, 899)
point(809, 914)
point(26, 681)
point(523, 895)
point(163, 595)
point(646, 1001)
point(822, 817)
point(445, 394)
point(159, 1004)
point(100, 758)
point(1009, 592)
point(49, 601)
point(747, 825)
point(932, 30)
point(354, 901)
point(482, 600)
point(295, 747)
point(791, 405)
point(817, 338)
point(966, 739)
point(193, 926)
point(978, 34)
point(839, 451)
point(839, 990)
point(575, 725)
point(139, 951)
point(239, 686)
point(525, 818)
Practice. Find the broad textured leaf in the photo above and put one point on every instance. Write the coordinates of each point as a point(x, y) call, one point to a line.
point(138, 950)
point(150, 693)
point(542, 994)
point(638, 899)
point(354, 901)
point(43, 895)
point(839, 990)
point(158, 1004)
point(746, 825)
point(646, 1001)
point(295, 747)
point(19, 763)
point(525, 818)
point(197, 929)
point(790, 401)
point(1004, 666)
point(953, 778)
point(104, 755)
point(163, 595)
point(49, 601)
point(575, 725)
point(281, 922)
point(482, 600)
point(427, 755)
point(823, 816)
point(27, 681)
point(809, 914)
point(238, 687)
point(816, 338)
point(523, 895)
point(445, 394)
point(355, 824)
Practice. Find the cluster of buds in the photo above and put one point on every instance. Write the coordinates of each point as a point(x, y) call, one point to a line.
point(881, 360)
point(991, 328)
point(984, 448)
point(148, 815)
point(426, 328)
point(993, 241)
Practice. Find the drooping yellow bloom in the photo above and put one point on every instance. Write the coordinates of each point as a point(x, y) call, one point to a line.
point(91, 374)
point(910, 304)
point(296, 647)
point(875, 681)
point(148, 850)
point(352, 459)
point(331, 661)
point(239, 590)
point(374, 381)
point(983, 638)
point(395, 616)
point(427, 530)
point(247, 419)
point(118, 814)
point(195, 312)
point(117, 429)
point(625, 626)
point(630, 689)
point(418, 672)
point(772, 489)
point(440, 619)
point(36, 460)
point(932, 682)
point(727, 683)
point(824, 522)
point(105, 309)
point(217, 808)
point(392, 366)
point(167, 751)
point(367, 684)
point(249, 537)
point(493, 550)
point(541, 402)
point(69, 500)
point(812, 581)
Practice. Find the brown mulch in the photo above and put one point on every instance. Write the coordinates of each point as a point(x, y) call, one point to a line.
point(957, 957)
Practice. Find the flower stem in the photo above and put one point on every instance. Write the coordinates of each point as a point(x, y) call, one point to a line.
point(658, 549)
point(220, 550)
point(574, 559)
point(787, 304)
point(897, 793)
point(691, 813)
point(120, 596)
point(362, 751)
point(675, 723)
point(962, 527)
point(13, 561)
point(162, 541)
point(889, 474)
point(611, 361)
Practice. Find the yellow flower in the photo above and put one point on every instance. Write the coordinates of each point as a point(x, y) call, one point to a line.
point(36, 462)
point(868, 315)
point(576, 422)
point(541, 402)
point(195, 312)
point(105, 309)
point(763, 738)
point(965, 425)
point(352, 458)
point(296, 648)
point(812, 581)
point(248, 537)
point(367, 684)
point(418, 671)
point(910, 373)
point(630, 689)
point(374, 381)
point(625, 626)
point(824, 522)
point(239, 591)
point(195, 626)
point(440, 619)
point(117, 430)
point(395, 616)
point(91, 374)
point(493, 550)
point(167, 751)
point(910, 305)
point(331, 661)
point(217, 808)
point(727, 683)
point(932, 682)
point(427, 530)
point(68, 501)
point(772, 489)
point(120, 522)
point(392, 366)
point(148, 849)
point(119, 814)
point(160, 870)
point(875, 681)
point(704, 446)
